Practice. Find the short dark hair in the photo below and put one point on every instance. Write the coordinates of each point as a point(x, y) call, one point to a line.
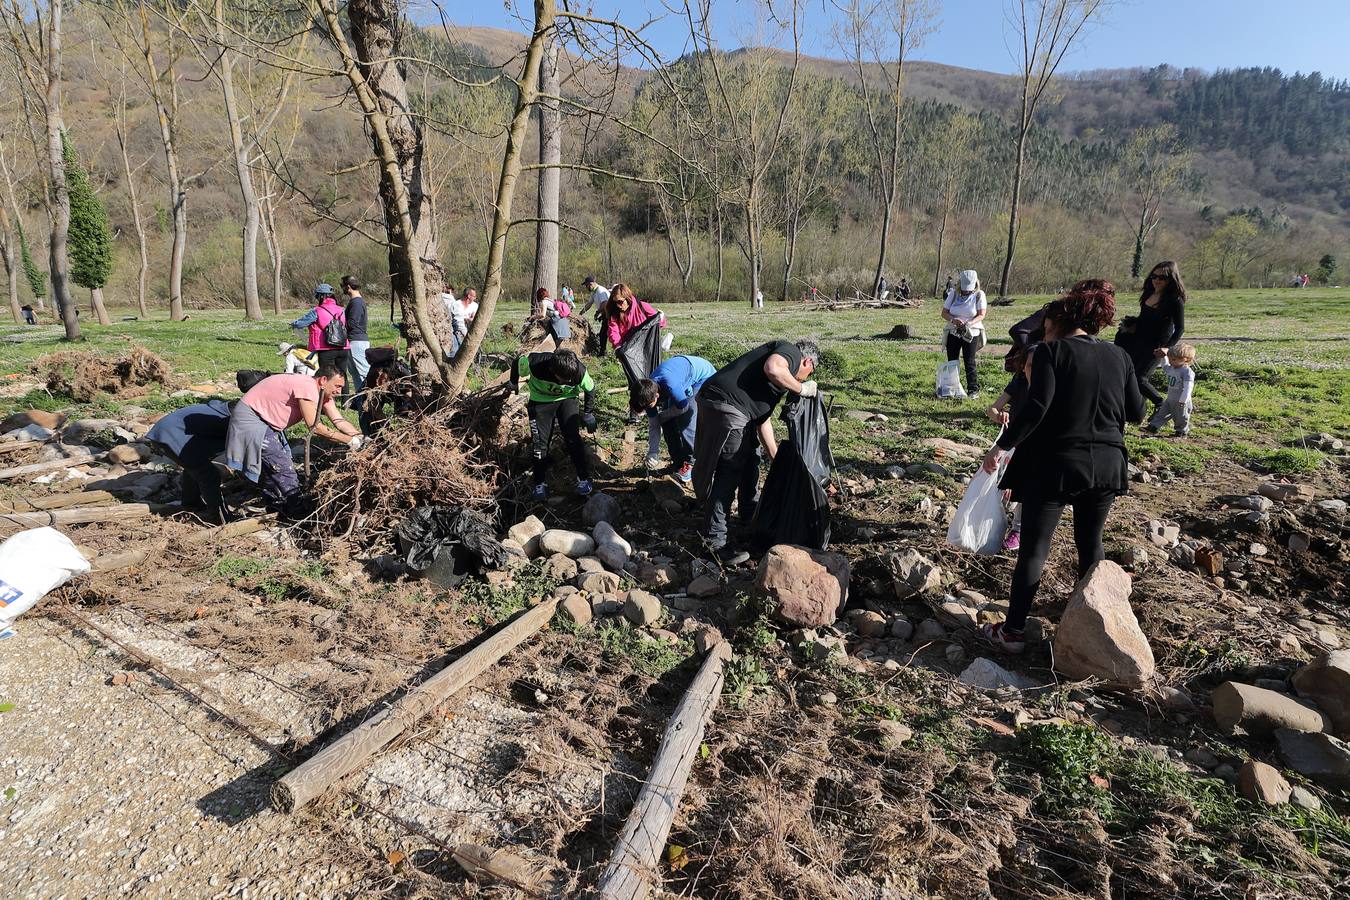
point(327, 372)
point(1090, 305)
point(568, 367)
point(349, 283)
point(645, 394)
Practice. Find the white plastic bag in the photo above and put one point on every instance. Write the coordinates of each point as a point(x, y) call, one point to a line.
point(32, 564)
point(666, 340)
point(980, 520)
point(949, 380)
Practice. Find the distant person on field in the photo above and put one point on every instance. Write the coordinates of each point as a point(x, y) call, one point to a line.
point(357, 336)
point(1149, 336)
point(669, 398)
point(29, 318)
point(1069, 438)
point(555, 381)
point(759, 299)
point(903, 290)
point(555, 314)
point(597, 298)
point(964, 309)
point(193, 437)
point(734, 405)
point(328, 320)
point(256, 443)
point(883, 288)
point(568, 296)
point(459, 328)
point(1176, 406)
point(948, 288)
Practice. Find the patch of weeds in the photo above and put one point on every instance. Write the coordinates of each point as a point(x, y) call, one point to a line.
point(1067, 758)
point(312, 569)
point(527, 583)
point(104, 440)
point(862, 695)
point(622, 643)
point(274, 589)
point(1227, 655)
point(234, 568)
point(1182, 457)
point(1286, 460)
point(746, 676)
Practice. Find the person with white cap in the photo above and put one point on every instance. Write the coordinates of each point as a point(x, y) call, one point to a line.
point(964, 311)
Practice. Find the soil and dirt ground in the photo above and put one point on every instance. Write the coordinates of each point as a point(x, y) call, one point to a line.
point(149, 710)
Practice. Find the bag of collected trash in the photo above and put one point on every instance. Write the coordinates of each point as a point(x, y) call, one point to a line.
point(980, 520)
point(793, 507)
point(246, 379)
point(949, 380)
point(640, 351)
point(32, 564)
point(448, 543)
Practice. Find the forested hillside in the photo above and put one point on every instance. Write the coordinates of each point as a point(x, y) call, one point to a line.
point(1254, 167)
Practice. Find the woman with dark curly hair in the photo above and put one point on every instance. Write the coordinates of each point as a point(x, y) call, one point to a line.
point(1149, 336)
point(1070, 441)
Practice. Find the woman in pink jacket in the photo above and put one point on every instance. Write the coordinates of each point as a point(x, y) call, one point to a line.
point(317, 320)
point(624, 312)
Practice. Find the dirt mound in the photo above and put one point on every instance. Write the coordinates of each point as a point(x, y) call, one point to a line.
point(84, 374)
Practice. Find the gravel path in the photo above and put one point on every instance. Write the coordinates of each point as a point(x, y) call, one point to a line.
point(136, 789)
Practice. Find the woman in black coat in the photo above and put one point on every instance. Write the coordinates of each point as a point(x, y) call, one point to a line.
point(1148, 336)
point(1070, 441)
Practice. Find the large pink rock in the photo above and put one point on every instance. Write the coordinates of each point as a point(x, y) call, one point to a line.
point(1326, 682)
point(809, 587)
point(1099, 637)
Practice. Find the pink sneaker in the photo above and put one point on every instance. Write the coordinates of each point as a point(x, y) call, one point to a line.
point(1010, 641)
point(1013, 540)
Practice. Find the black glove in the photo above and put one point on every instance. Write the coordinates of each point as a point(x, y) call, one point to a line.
point(588, 419)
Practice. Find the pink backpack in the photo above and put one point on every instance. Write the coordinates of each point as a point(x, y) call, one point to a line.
point(562, 308)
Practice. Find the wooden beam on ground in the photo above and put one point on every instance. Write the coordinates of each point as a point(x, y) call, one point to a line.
point(9, 446)
point(633, 866)
point(126, 559)
point(57, 501)
point(50, 465)
point(486, 864)
point(77, 516)
point(238, 528)
point(351, 751)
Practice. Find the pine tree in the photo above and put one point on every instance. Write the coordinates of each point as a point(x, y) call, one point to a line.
point(90, 231)
point(36, 280)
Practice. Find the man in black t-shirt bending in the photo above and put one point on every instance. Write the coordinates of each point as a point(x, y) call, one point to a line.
point(733, 403)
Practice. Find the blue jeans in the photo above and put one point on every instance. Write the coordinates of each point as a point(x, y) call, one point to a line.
point(279, 481)
point(357, 369)
point(679, 433)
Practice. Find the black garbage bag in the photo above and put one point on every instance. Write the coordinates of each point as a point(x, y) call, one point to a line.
point(448, 543)
point(245, 379)
point(640, 351)
point(793, 507)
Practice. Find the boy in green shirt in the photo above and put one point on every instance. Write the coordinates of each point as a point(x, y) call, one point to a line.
point(555, 381)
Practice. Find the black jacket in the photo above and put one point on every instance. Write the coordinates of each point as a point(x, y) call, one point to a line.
point(1070, 432)
point(356, 319)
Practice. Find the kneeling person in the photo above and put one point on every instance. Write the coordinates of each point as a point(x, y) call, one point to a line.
point(555, 381)
point(192, 437)
point(256, 444)
point(668, 398)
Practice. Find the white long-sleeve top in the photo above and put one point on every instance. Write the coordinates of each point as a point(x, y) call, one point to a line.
point(1180, 383)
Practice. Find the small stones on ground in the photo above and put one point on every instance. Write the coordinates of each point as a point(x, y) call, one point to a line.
point(929, 630)
point(665, 637)
point(560, 566)
point(605, 605)
point(901, 629)
point(1260, 711)
point(1163, 535)
point(601, 507)
point(578, 608)
point(642, 608)
point(987, 675)
point(955, 654)
point(825, 646)
point(1326, 682)
point(892, 735)
point(573, 544)
point(1262, 783)
point(1289, 644)
point(526, 533)
point(598, 582)
point(1258, 549)
point(1099, 636)
point(1304, 798)
point(590, 564)
point(1332, 507)
point(828, 698)
point(704, 586)
point(1320, 757)
point(868, 624)
point(657, 576)
point(913, 574)
point(1202, 757)
point(1175, 699)
point(807, 587)
point(1299, 542)
point(1283, 491)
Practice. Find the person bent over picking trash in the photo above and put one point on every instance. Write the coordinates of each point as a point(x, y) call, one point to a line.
point(555, 381)
point(668, 398)
point(738, 400)
point(193, 437)
point(256, 444)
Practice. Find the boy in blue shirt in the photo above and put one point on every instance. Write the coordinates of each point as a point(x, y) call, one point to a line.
point(668, 399)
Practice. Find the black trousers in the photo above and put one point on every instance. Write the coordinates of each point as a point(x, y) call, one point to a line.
point(967, 349)
point(1144, 365)
point(735, 478)
point(1039, 520)
point(566, 416)
point(342, 361)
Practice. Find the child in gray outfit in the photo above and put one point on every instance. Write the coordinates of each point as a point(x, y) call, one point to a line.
point(1180, 382)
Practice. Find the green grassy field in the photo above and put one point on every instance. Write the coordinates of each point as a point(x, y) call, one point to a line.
point(1273, 365)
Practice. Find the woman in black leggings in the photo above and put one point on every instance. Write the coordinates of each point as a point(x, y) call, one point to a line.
point(1158, 327)
point(1070, 441)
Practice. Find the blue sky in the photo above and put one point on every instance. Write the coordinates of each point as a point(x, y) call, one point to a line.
point(1293, 35)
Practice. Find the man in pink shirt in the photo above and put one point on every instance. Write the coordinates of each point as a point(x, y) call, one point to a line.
point(256, 443)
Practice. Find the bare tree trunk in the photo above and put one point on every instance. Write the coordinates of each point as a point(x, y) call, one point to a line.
point(273, 241)
point(752, 247)
point(1137, 263)
point(138, 224)
point(376, 73)
point(550, 177)
point(7, 244)
point(225, 71)
point(942, 233)
point(721, 259)
point(60, 197)
point(100, 311)
point(1012, 212)
point(166, 109)
point(789, 252)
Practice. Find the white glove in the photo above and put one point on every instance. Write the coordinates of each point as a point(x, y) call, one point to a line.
point(808, 389)
point(653, 462)
point(357, 442)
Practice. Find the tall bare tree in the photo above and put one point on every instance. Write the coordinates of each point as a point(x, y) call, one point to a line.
point(547, 230)
point(950, 158)
point(35, 37)
point(9, 240)
point(1153, 167)
point(814, 138)
point(878, 37)
point(1041, 33)
point(122, 128)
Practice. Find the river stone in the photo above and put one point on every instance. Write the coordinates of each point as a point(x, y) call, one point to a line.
point(1260, 711)
point(808, 587)
point(568, 543)
point(1320, 757)
point(1099, 636)
point(1326, 682)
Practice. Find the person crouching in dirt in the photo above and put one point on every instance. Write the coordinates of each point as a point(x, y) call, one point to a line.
point(193, 437)
point(555, 381)
point(256, 444)
point(669, 400)
point(1070, 442)
point(388, 384)
point(732, 405)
